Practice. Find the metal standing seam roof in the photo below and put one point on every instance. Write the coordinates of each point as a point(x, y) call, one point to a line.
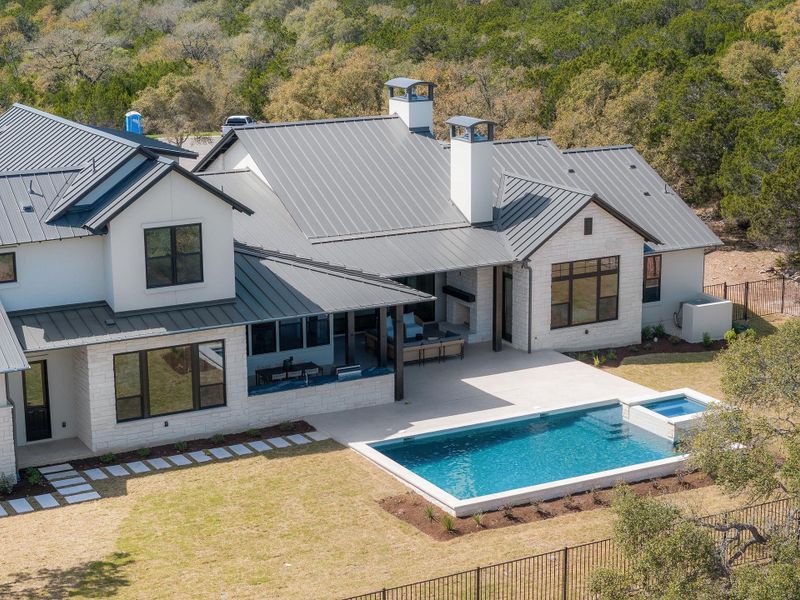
point(620, 176)
point(12, 358)
point(353, 176)
point(156, 145)
point(269, 287)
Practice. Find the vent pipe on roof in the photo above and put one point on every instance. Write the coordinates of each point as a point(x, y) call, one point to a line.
point(471, 167)
point(412, 101)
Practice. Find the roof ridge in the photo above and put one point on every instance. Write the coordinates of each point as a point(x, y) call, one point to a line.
point(315, 122)
point(76, 125)
point(558, 186)
point(523, 140)
point(34, 172)
point(597, 149)
point(224, 172)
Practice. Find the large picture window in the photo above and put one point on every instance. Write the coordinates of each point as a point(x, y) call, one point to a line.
point(318, 331)
point(652, 278)
point(584, 291)
point(164, 381)
point(289, 334)
point(173, 255)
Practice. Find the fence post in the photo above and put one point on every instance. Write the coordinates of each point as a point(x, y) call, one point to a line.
point(725, 290)
point(564, 578)
point(383, 594)
point(477, 583)
point(746, 298)
point(783, 291)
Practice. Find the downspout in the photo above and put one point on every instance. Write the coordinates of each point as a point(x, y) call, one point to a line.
point(530, 304)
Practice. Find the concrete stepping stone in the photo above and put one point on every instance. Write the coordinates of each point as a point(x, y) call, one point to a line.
point(61, 475)
point(220, 453)
point(138, 467)
point(46, 501)
point(3, 512)
point(200, 456)
point(95, 474)
point(118, 471)
point(55, 468)
point(318, 436)
point(75, 489)
point(62, 483)
point(240, 449)
point(159, 463)
point(21, 505)
point(279, 442)
point(82, 497)
point(298, 438)
point(179, 460)
point(259, 446)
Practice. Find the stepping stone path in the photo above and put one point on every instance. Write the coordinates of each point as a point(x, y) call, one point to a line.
point(61, 475)
point(55, 468)
point(3, 512)
point(220, 453)
point(259, 446)
point(279, 442)
point(75, 489)
point(159, 463)
point(117, 471)
point(82, 497)
point(200, 456)
point(299, 438)
point(21, 505)
point(318, 436)
point(95, 474)
point(67, 482)
point(179, 460)
point(46, 501)
point(138, 467)
point(240, 449)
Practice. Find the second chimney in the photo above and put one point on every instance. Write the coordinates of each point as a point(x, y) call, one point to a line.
point(412, 101)
point(471, 167)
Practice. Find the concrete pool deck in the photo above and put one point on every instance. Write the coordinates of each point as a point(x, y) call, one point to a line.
point(484, 386)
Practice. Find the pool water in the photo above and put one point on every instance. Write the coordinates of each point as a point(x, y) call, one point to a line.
point(675, 407)
point(496, 458)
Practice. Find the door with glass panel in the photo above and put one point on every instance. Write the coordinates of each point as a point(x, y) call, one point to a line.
point(37, 402)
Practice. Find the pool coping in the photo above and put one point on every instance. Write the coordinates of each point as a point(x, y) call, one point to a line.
point(523, 495)
point(690, 393)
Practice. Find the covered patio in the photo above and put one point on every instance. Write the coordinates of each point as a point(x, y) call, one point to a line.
point(485, 386)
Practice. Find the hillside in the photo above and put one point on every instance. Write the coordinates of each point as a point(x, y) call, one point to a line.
point(708, 91)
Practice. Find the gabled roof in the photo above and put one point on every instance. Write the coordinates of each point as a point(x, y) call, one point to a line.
point(530, 212)
point(269, 286)
point(152, 144)
point(12, 358)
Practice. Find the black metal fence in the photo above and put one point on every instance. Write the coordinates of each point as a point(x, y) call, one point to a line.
point(565, 574)
point(764, 297)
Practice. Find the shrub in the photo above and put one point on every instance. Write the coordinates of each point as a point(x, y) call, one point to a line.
point(596, 499)
point(569, 502)
point(730, 336)
point(611, 354)
point(647, 346)
point(143, 452)
point(582, 356)
point(286, 426)
point(254, 432)
point(648, 333)
point(478, 518)
point(6, 486)
point(218, 438)
point(448, 524)
point(33, 476)
point(181, 446)
point(597, 360)
point(508, 512)
point(429, 513)
point(633, 348)
point(674, 340)
point(706, 340)
point(539, 509)
point(659, 331)
point(108, 458)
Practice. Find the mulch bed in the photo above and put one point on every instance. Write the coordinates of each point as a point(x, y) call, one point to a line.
point(663, 345)
point(413, 508)
point(23, 489)
point(194, 445)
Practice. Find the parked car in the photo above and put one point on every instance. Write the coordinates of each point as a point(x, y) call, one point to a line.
point(236, 121)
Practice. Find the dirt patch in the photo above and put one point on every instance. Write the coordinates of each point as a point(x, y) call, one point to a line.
point(737, 266)
point(431, 520)
point(193, 445)
point(613, 357)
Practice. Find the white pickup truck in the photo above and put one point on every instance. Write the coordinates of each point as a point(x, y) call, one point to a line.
point(236, 121)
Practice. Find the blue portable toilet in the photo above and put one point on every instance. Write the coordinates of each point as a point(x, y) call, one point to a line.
point(133, 122)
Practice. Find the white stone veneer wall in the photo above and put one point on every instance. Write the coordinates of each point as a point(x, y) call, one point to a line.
point(241, 412)
point(8, 462)
point(610, 237)
point(479, 282)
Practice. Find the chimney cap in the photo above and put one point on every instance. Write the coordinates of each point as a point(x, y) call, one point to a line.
point(408, 86)
point(468, 124)
point(405, 82)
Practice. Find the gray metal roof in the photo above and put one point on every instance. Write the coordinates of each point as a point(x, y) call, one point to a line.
point(269, 286)
point(271, 226)
point(609, 173)
point(12, 358)
point(37, 190)
point(354, 176)
point(530, 212)
point(156, 145)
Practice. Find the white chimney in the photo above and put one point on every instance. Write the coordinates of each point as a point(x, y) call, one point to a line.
point(471, 167)
point(412, 101)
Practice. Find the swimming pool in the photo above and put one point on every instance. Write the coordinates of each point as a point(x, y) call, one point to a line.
point(500, 457)
point(675, 407)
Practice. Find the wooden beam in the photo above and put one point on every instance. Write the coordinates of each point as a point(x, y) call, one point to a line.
point(382, 337)
point(399, 336)
point(497, 310)
point(350, 339)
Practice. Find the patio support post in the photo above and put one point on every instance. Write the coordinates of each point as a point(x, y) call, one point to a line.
point(382, 337)
point(350, 339)
point(399, 336)
point(497, 310)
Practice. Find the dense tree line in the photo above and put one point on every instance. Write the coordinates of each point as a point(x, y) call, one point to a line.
point(707, 90)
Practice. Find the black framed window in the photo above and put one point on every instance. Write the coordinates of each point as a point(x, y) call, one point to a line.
point(318, 331)
point(169, 380)
point(652, 278)
point(291, 334)
point(584, 291)
point(173, 255)
point(587, 226)
point(8, 267)
point(264, 338)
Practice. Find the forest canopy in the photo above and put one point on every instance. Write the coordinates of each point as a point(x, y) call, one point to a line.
point(708, 91)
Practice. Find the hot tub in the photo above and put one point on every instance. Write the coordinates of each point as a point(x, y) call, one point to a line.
point(669, 414)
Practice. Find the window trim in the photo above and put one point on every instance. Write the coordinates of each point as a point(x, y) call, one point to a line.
point(13, 265)
point(571, 276)
point(174, 256)
point(645, 279)
point(588, 226)
point(144, 381)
